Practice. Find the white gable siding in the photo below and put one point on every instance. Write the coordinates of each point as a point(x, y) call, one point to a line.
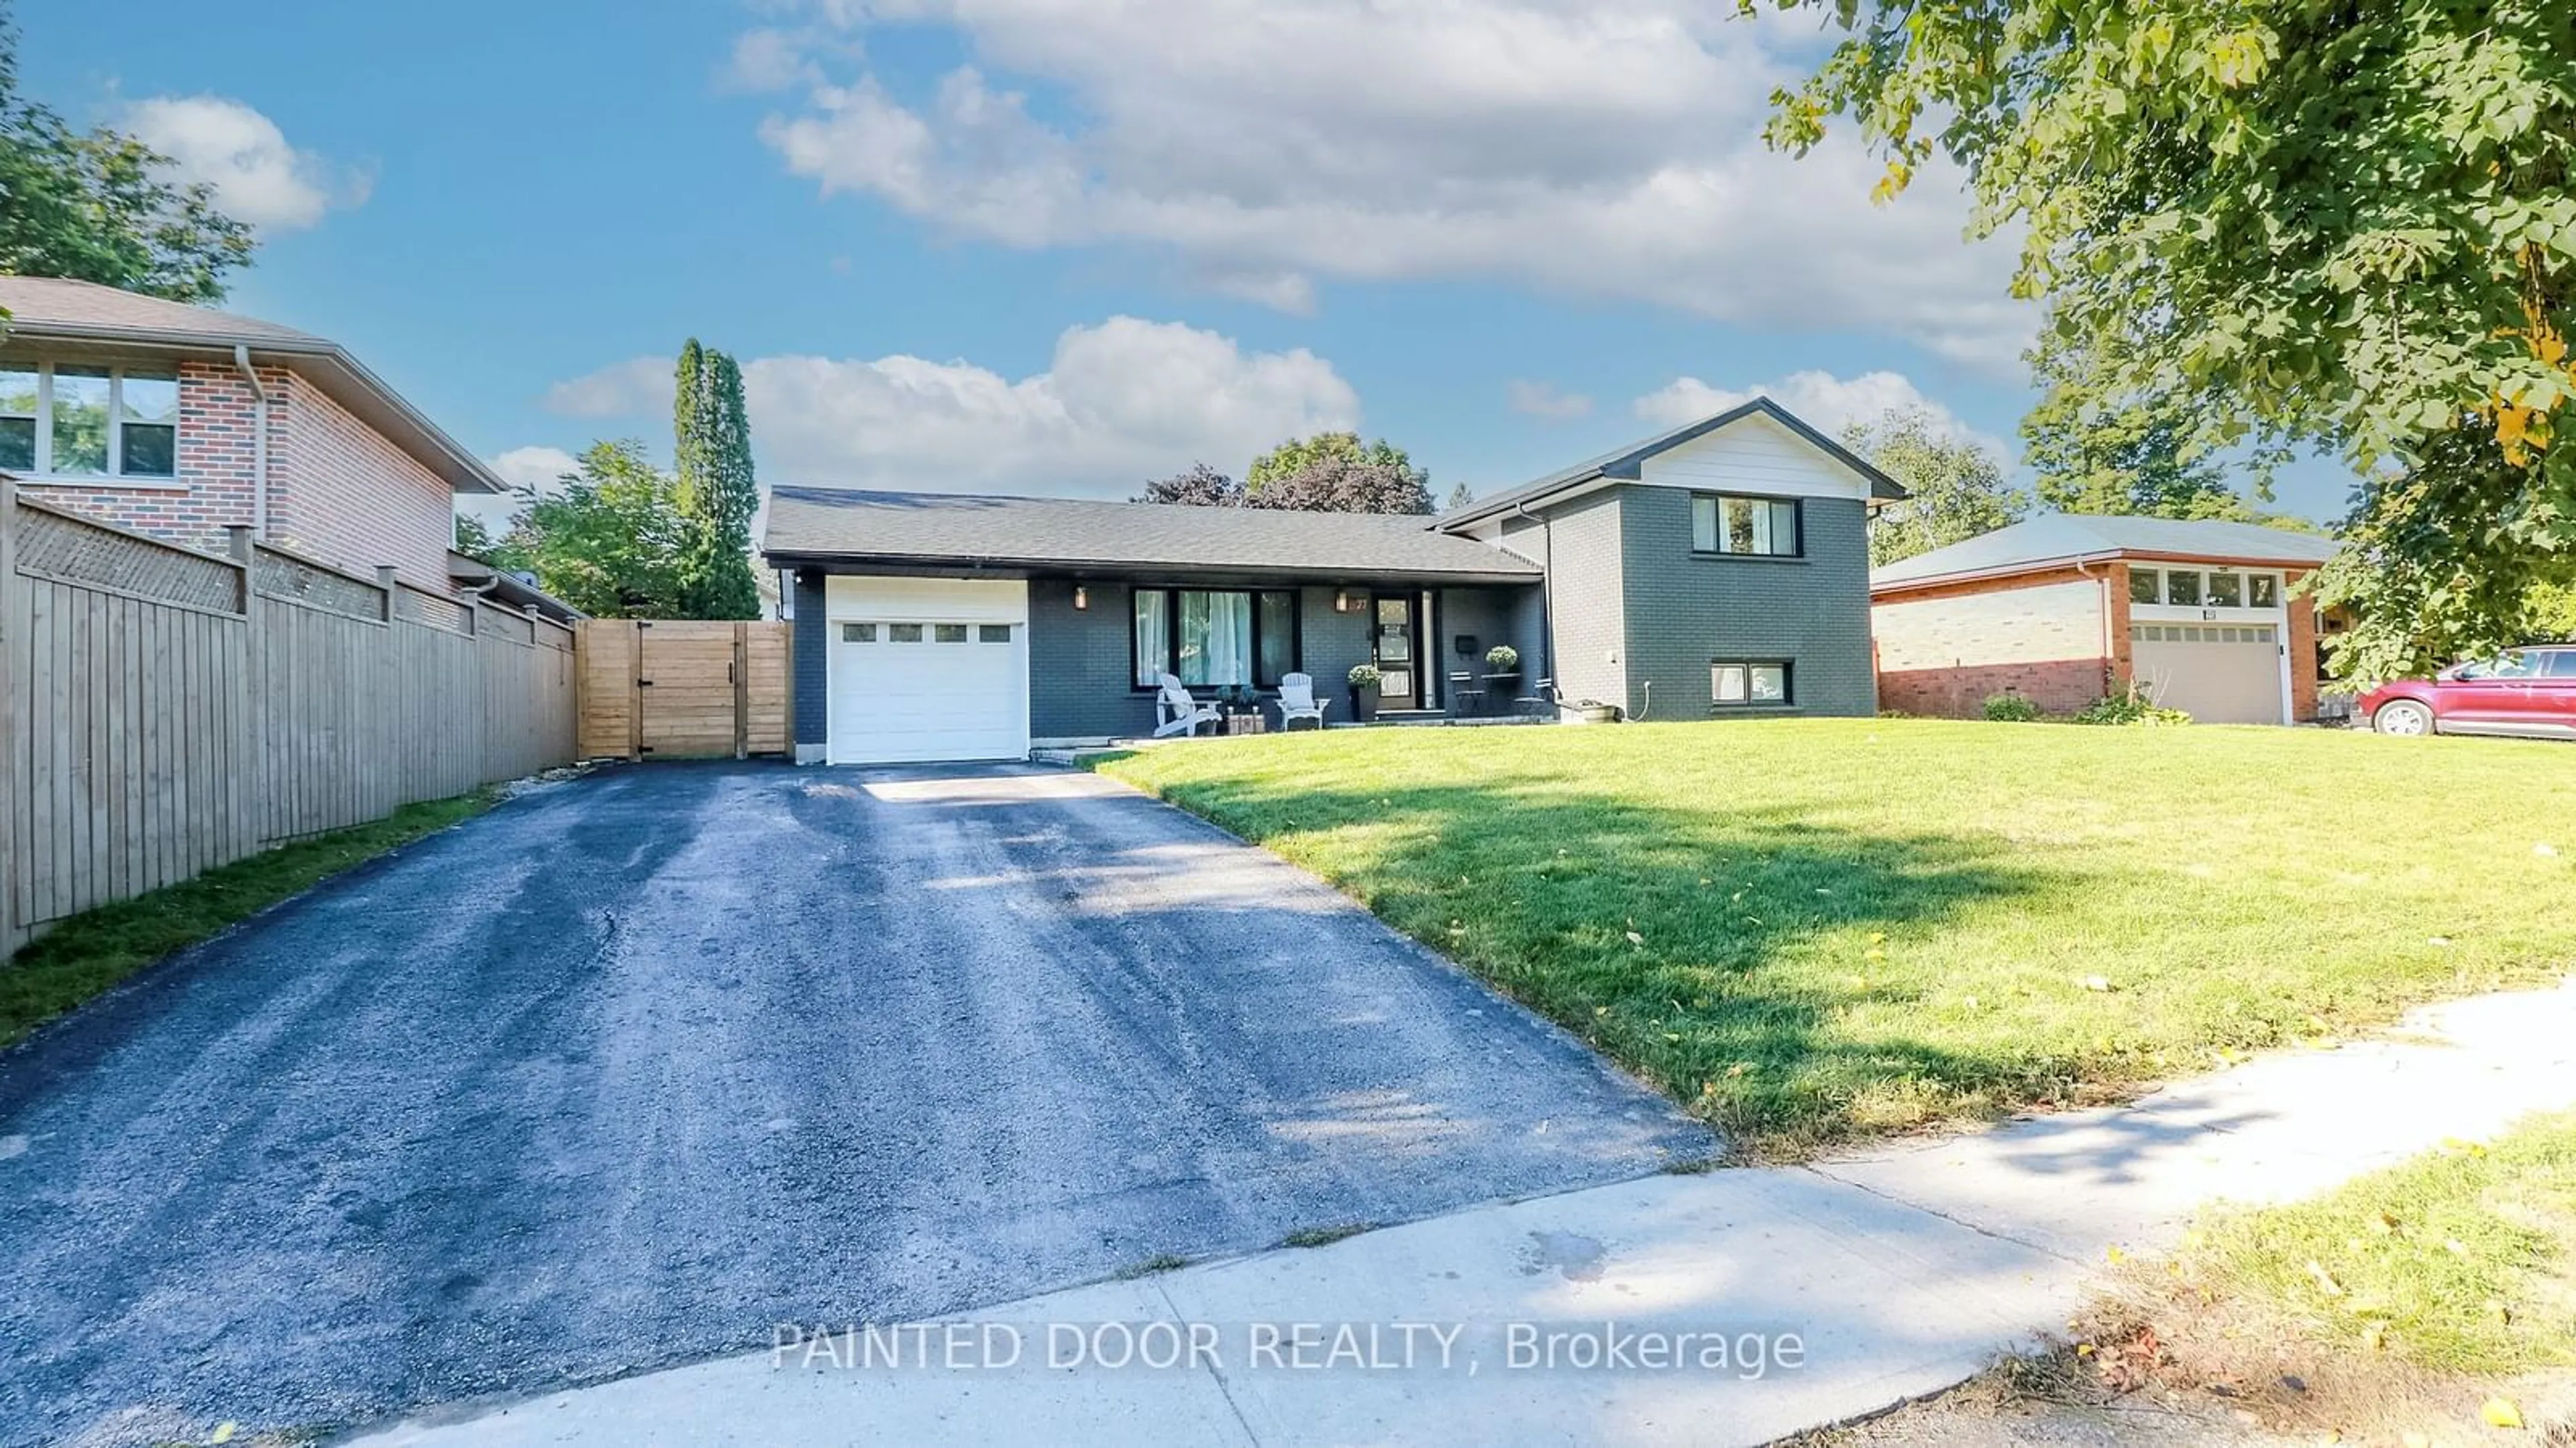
point(1755, 455)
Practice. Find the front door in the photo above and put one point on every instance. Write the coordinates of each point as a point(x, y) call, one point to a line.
point(1397, 639)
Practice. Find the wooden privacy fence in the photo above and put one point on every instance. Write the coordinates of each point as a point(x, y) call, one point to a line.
point(164, 711)
point(677, 689)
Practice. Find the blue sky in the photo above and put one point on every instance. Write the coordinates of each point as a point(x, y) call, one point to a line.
point(1015, 245)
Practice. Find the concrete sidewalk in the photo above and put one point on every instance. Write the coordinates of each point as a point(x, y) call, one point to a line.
point(1833, 1291)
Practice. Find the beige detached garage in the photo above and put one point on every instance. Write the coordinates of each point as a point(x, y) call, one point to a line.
point(2066, 608)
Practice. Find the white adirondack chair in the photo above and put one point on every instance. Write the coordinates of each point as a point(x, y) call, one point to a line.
point(1175, 712)
point(1297, 701)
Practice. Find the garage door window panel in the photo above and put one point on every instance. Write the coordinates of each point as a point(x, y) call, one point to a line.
point(858, 633)
point(948, 633)
point(903, 633)
point(993, 633)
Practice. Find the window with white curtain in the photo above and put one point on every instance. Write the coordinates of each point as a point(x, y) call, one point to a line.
point(1211, 638)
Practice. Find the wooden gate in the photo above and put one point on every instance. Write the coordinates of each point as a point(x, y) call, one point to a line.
point(681, 689)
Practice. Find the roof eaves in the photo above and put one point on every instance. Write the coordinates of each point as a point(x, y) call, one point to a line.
point(2106, 554)
point(466, 467)
point(1629, 465)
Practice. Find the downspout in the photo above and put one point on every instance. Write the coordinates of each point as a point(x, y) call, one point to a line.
point(2110, 645)
point(258, 443)
point(1546, 596)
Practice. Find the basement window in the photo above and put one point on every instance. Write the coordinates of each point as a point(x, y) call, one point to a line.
point(1748, 683)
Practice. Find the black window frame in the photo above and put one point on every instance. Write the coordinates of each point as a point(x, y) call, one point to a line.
point(1172, 633)
point(1788, 683)
point(1797, 522)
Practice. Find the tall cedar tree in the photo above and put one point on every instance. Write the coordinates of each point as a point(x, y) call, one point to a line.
point(717, 492)
point(91, 205)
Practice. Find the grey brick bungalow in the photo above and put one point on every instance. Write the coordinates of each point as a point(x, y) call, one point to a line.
point(1717, 570)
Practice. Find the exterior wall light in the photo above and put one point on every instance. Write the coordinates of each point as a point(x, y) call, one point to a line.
point(1081, 596)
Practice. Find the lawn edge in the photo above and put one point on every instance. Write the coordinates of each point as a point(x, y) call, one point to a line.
point(86, 943)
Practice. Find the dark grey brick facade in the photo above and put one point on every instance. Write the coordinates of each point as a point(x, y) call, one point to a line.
point(1079, 659)
point(812, 681)
point(1629, 603)
point(1684, 609)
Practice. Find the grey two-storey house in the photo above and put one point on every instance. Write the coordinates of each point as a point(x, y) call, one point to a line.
point(1720, 569)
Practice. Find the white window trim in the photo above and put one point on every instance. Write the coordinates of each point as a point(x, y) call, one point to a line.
point(2246, 610)
point(43, 476)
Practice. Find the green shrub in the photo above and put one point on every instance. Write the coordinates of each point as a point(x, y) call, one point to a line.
point(1502, 659)
point(2132, 706)
point(2011, 709)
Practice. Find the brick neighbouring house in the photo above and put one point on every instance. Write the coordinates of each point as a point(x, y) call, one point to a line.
point(142, 412)
point(2064, 609)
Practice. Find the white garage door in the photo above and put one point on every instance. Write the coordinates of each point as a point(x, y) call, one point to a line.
point(2216, 673)
point(927, 669)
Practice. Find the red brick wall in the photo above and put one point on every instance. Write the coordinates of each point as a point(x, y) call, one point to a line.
point(338, 491)
point(213, 491)
point(2303, 650)
point(2059, 686)
point(1943, 650)
point(353, 499)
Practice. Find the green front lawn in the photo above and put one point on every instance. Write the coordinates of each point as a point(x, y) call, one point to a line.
point(1816, 929)
point(2462, 1260)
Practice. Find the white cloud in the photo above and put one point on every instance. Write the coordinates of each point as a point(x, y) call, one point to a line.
point(541, 468)
point(767, 60)
point(1821, 400)
point(1544, 400)
point(636, 385)
point(257, 177)
point(1603, 149)
point(1120, 402)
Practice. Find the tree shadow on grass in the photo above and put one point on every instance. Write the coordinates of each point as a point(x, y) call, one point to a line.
point(1722, 957)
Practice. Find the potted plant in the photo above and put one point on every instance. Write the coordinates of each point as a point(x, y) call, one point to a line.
point(1502, 676)
point(1365, 680)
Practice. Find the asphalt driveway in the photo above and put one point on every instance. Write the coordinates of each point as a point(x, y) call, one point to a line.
point(636, 1067)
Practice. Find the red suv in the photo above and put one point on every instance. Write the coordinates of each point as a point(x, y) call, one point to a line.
point(2529, 692)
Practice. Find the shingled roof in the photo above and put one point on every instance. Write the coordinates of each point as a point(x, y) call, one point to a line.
point(55, 315)
point(2054, 539)
point(981, 533)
